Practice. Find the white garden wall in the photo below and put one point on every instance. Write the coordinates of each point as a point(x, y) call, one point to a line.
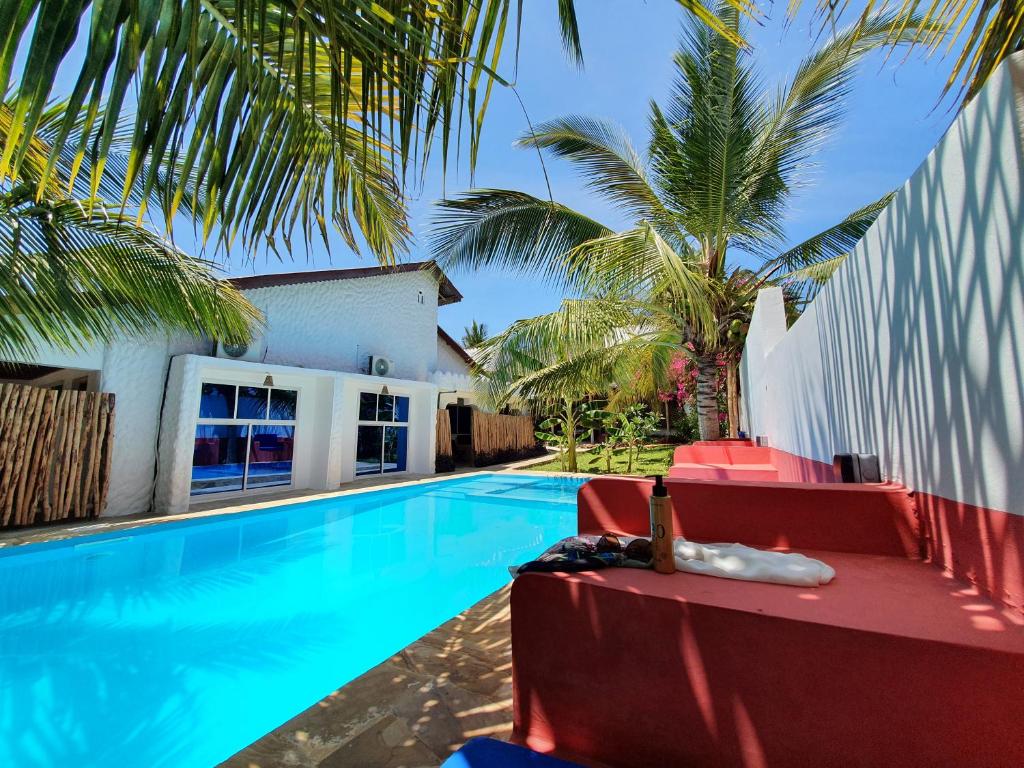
point(915, 348)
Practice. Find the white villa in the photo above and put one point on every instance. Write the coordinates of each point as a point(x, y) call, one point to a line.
point(346, 379)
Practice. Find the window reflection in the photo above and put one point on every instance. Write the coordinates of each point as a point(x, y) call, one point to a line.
point(252, 403)
point(282, 404)
point(270, 455)
point(217, 401)
point(368, 450)
point(367, 406)
point(218, 458)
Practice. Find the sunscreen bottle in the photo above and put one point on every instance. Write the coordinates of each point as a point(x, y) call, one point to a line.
point(661, 528)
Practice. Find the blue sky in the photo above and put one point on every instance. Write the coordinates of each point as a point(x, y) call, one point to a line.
point(894, 120)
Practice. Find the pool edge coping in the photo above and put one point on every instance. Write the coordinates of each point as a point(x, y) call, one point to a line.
point(102, 525)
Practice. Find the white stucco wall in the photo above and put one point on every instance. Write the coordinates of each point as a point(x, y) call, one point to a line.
point(448, 360)
point(325, 424)
point(337, 325)
point(767, 327)
point(915, 348)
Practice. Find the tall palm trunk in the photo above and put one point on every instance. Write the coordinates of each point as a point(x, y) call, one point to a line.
point(707, 398)
point(732, 391)
point(570, 436)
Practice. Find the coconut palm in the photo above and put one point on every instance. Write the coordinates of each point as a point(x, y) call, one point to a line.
point(474, 335)
point(75, 269)
point(723, 158)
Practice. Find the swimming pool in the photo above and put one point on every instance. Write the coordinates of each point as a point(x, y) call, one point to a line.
point(179, 644)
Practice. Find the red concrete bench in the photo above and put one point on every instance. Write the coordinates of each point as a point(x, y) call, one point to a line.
point(704, 461)
point(735, 460)
point(893, 663)
point(727, 441)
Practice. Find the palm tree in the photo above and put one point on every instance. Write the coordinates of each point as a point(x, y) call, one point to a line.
point(474, 335)
point(723, 158)
point(75, 269)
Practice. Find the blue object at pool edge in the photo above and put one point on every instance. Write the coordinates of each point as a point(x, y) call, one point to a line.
point(482, 752)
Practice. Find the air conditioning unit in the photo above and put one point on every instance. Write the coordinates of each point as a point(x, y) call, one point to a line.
point(251, 352)
point(381, 366)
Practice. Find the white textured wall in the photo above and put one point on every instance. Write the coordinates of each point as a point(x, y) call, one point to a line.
point(448, 360)
point(767, 327)
point(337, 325)
point(915, 348)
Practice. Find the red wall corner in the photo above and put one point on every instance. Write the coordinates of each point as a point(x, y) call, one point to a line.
point(984, 547)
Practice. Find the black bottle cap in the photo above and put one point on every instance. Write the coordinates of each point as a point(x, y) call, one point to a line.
point(659, 486)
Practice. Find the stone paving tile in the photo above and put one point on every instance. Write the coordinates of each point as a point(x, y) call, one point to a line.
point(411, 711)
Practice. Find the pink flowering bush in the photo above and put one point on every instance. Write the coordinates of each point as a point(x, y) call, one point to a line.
point(683, 380)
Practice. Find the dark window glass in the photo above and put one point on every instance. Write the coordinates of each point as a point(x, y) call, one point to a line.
point(252, 403)
point(270, 455)
point(282, 404)
point(368, 450)
point(395, 448)
point(401, 408)
point(218, 458)
point(367, 407)
point(217, 401)
point(386, 408)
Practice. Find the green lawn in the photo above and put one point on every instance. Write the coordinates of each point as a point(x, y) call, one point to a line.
point(654, 460)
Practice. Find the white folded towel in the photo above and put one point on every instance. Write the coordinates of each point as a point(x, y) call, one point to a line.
point(735, 561)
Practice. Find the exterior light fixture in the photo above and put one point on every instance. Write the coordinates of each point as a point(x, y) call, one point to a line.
point(384, 389)
point(269, 381)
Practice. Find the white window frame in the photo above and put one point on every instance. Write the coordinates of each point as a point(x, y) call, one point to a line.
point(376, 423)
point(250, 423)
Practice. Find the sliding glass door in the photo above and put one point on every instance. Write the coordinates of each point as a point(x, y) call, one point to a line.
point(382, 437)
point(245, 438)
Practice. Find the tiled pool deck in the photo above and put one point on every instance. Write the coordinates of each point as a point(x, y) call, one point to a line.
point(413, 710)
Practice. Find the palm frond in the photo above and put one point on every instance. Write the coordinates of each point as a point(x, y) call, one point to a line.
point(704, 142)
point(230, 93)
point(641, 264)
point(576, 351)
point(803, 283)
point(605, 156)
point(75, 272)
point(837, 240)
point(807, 111)
point(987, 32)
point(509, 230)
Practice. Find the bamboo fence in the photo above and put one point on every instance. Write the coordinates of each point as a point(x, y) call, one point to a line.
point(55, 449)
point(444, 434)
point(500, 437)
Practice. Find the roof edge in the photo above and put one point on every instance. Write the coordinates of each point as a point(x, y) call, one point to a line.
point(447, 292)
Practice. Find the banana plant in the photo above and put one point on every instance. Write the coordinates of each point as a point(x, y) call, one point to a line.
point(566, 425)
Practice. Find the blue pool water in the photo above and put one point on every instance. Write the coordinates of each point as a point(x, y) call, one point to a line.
point(179, 644)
